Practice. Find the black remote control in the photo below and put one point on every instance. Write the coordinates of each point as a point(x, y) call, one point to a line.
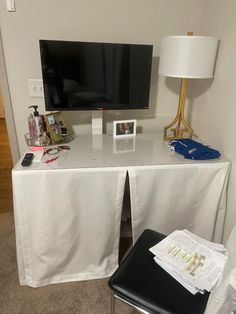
point(27, 160)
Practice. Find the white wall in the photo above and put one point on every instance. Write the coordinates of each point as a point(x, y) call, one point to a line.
point(136, 21)
point(132, 21)
point(214, 108)
point(142, 21)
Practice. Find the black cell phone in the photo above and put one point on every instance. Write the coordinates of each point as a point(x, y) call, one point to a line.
point(27, 160)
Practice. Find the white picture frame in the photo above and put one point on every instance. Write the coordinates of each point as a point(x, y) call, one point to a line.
point(124, 128)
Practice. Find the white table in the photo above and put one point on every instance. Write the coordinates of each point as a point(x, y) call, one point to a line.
point(68, 212)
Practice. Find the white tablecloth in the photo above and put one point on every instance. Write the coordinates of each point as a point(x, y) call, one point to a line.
point(68, 212)
point(170, 197)
point(67, 224)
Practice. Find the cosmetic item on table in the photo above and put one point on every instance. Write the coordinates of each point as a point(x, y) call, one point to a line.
point(38, 121)
point(32, 126)
point(37, 135)
point(51, 159)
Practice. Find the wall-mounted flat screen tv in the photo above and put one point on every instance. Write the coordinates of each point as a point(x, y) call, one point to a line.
point(93, 76)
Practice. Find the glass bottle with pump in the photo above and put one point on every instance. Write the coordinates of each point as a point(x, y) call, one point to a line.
point(32, 127)
point(39, 137)
point(38, 122)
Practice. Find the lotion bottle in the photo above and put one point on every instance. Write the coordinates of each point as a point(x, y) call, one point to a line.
point(32, 127)
point(38, 122)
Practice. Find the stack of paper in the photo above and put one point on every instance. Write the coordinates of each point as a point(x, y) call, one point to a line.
point(194, 262)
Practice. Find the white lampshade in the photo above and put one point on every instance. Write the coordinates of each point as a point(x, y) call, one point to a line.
point(188, 56)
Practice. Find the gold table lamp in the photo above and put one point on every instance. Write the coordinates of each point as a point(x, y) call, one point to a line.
point(185, 57)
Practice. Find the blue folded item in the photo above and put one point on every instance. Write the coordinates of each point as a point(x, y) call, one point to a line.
point(191, 149)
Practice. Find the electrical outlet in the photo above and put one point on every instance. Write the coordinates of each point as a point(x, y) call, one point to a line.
point(35, 87)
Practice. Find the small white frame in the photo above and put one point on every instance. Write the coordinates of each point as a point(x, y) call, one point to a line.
point(124, 128)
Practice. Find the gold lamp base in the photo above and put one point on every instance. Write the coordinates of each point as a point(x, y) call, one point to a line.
point(179, 127)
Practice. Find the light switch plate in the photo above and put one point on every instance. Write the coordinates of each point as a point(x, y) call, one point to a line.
point(11, 5)
point(35, 87)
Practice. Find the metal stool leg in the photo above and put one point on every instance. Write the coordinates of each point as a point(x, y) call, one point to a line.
point(140, 310)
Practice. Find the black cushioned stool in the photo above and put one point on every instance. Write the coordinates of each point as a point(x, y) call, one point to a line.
point(140, 282)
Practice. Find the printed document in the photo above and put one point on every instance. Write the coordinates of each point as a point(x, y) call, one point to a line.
point(195, 262)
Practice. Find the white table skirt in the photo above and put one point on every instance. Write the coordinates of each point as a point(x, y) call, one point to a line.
point(170, 197)
point(68, 213)
point(67, 224)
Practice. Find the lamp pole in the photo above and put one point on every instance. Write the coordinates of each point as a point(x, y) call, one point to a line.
point(178, 131)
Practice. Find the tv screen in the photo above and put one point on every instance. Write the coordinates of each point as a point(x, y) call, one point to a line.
point(92, 76)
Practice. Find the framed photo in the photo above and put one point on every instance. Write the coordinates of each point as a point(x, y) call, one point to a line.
point(56, 127)
point(124, 128)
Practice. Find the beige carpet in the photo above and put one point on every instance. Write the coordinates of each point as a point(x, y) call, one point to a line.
point(85, 297)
